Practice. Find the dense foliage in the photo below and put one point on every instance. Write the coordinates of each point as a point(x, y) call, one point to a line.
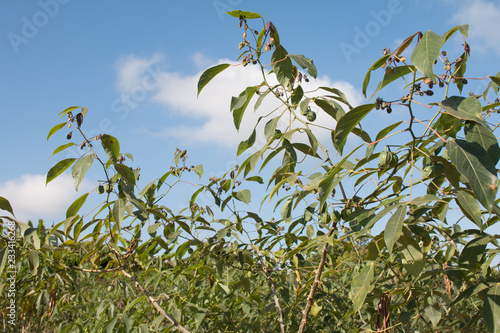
point(395, 235)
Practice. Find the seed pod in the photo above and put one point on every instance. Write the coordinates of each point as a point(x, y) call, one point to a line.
point(100, 189)
point(79, 119)
point(335, 216)
point(311, 116)
point(70, 134)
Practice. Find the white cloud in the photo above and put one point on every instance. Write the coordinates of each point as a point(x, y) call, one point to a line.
point(130, 71)
point(214, 122)
point(482, 17)
point(31, 199)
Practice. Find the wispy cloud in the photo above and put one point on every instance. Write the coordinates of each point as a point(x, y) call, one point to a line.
point(32, 200)
point(482, 17)
point(213, 123)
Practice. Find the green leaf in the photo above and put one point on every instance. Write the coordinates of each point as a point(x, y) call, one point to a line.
point(244, 145)
point(126, 173)
point(270, 128)
point(469, 207)
point(5, 205)
point(392, 74)
point(286, 210)
point(329, 108)
point(68, 110)
point(119, 213)
point(243, 196)
point(426, 52)
point(34, 260)
point(473, 252)
point(111, 147)
point(80, 168)
point(240, 103)
point(413, 259)
point(472, 162)
point(282, 66)
point(244, 14)
point(328, 183)
point(76, 205)
point(59, 168)
point(346, 124)
point(55, 129)
point(340, 96)
point(62, 147)
point(375, 66)
point(476, 133)
point(297, 95)
point(394, 227)
point(199, 170)
point(306, 63)
point(491, 308)
point(459, 71)
point(361, 285)
point(463, 108)
point(209, 74)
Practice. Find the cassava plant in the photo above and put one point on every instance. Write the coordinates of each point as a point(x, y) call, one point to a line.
point(395, 234)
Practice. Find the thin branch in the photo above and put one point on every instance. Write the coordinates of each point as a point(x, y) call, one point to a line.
point(276, 300)
point(316, 282)
point(155, 304)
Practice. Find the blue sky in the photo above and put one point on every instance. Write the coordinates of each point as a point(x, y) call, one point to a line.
point(135, 65)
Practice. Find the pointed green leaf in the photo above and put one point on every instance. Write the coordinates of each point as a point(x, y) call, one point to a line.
point(463, 108)
point(306, 63)
point(413, 259)
point(244, 145)
point(119, 213)
point(472, 162)
point(34, 260)
point(392, 74)
point(5, 205)
point(68, 110)
point(328, 182)
point(243, 196)
point(62, 147)
point(375, 66)
point(198, 170)
point(244, 14)
point(476, 133)
point(394, 227)
point(59, 168)
point(55, 129)
point(329, 108)
point(286, 210)
point(469, 207)
point(209, 74)
point(126, 173)
point(347, 122)
point(111, 147)
point(80, 168)
point(240, 103)
point(270, 128)
point(361, 285)
point(491, 309)
point(76, 205)
point(473, 252)
point(459, 71)
point(426, 52)
point(282, 66)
